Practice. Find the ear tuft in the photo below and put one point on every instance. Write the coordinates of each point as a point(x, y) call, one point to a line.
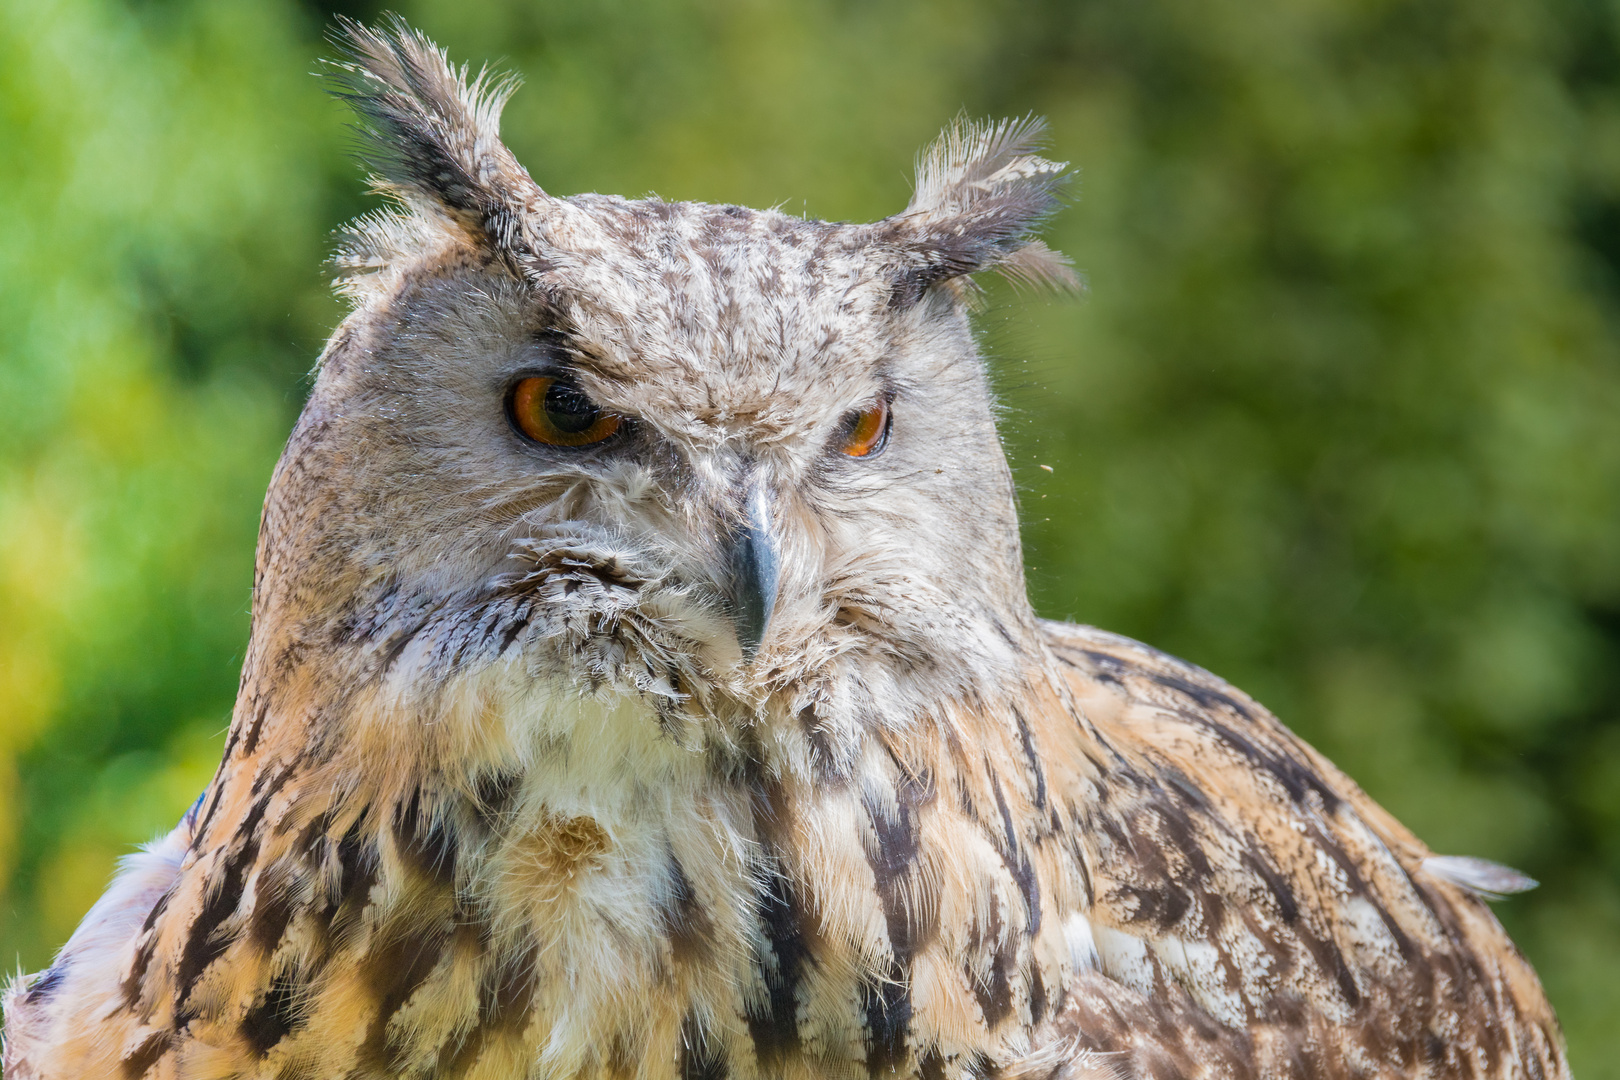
point(432, 134)
point(973, 162)
point(1039, 267)
point(981, 192)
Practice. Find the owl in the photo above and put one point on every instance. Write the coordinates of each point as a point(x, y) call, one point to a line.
point(642, 686)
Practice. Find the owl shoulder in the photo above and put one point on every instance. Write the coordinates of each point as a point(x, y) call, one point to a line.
point(73, 1018)
point(1247, 896)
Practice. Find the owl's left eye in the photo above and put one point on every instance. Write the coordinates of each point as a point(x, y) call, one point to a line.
point(557, 413)
point(866, 433)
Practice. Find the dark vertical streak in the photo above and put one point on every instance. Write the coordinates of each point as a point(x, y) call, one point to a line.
point(886, 1003)
point(700, 1058)
point(271, 1018)
point(685, 923)
point(143, 1057)
point(204, 944)
point(1017, 860)
point(1032, 758)
point(775, 1032)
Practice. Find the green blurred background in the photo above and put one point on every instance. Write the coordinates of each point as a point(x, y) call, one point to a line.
point(1338, 419)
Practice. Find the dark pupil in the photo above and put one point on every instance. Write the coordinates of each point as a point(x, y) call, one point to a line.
point(568, 409)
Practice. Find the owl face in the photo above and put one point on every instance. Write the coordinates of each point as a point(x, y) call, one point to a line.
point(657, 445)
point(727, 400)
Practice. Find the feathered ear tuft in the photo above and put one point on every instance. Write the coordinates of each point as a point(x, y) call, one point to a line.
point(981, 192)
point(432, 134)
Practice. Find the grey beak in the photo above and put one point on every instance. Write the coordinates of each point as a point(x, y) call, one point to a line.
point(754, 572)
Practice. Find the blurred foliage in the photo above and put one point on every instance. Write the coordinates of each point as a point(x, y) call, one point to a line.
point(1339, 419)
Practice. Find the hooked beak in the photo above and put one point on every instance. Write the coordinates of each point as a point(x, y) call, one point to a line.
point(751, 552)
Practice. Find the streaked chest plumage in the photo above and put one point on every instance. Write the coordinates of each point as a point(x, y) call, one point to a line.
point(605, 902)
point(1080, 879)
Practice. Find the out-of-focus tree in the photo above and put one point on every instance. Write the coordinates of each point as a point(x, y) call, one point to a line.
point(1339, 418)
point(165, 183)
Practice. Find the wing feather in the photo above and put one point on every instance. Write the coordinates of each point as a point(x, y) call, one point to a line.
point(1255, 913)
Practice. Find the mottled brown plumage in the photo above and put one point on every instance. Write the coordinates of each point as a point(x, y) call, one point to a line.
point(728, 746)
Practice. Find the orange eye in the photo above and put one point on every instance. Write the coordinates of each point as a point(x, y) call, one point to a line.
point(868, 431)
point(557, 413)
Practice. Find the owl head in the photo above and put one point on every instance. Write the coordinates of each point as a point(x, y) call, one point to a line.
point(710, 455)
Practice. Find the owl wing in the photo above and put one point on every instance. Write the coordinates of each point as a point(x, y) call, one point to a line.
point(1254, 913)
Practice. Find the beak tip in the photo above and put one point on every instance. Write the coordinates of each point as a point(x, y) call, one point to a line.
point(754, 595)
point(750, 643)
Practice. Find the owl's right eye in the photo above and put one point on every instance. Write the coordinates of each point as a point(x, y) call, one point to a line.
point(557, 413)
point(866, 433)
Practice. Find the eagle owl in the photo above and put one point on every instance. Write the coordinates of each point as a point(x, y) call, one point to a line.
point(642, 685)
